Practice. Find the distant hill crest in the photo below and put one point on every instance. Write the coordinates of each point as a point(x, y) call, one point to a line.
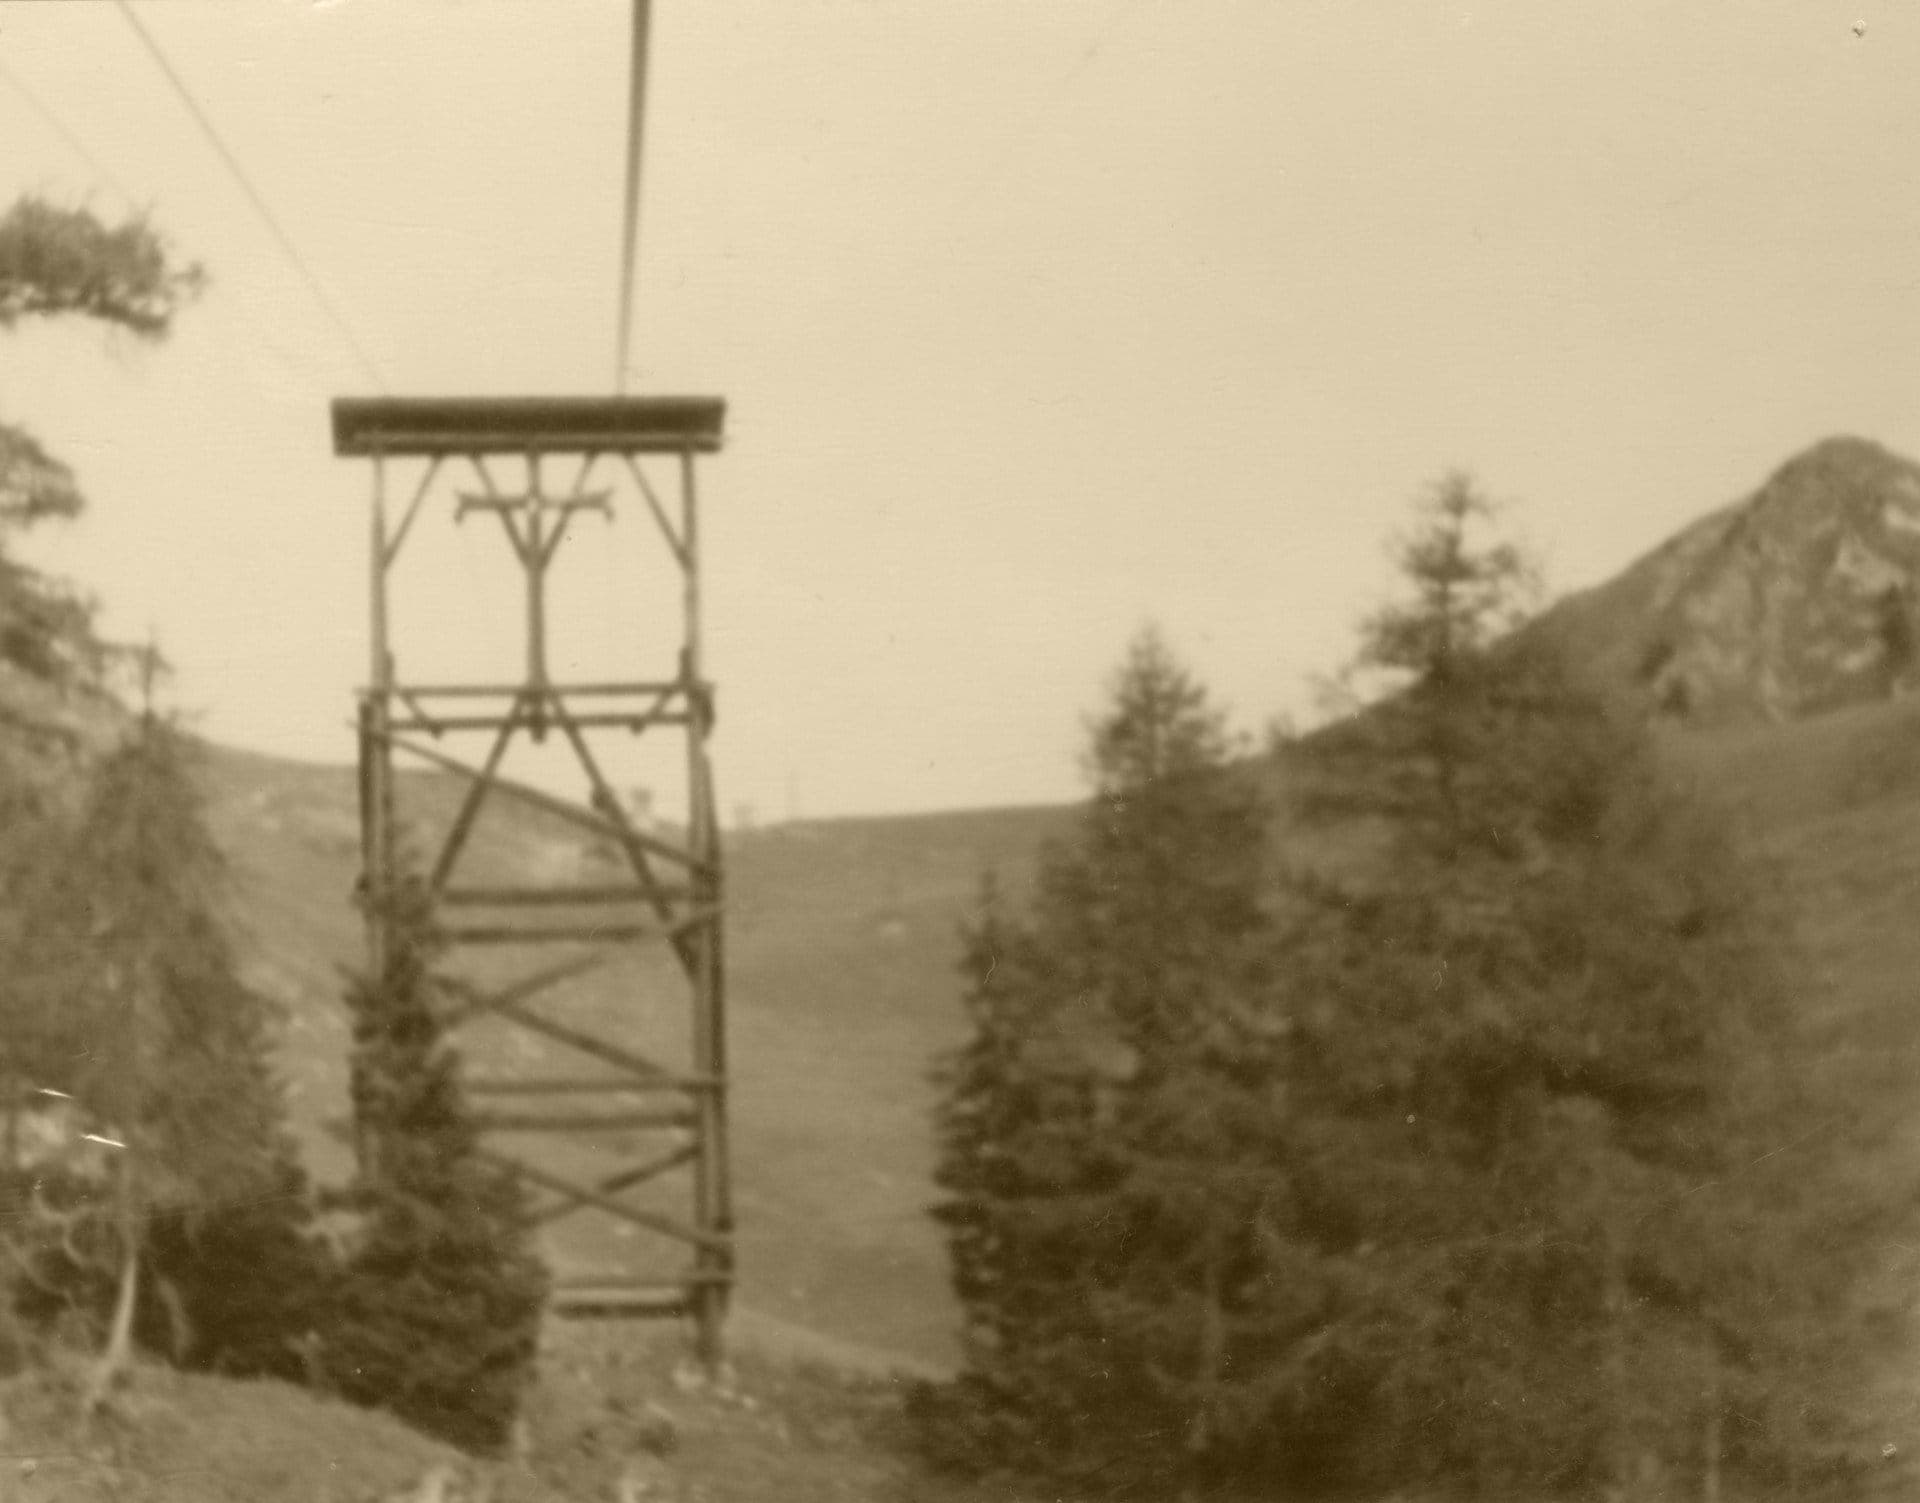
point(1798, 599)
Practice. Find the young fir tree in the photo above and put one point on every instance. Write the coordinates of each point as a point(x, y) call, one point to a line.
point(138, 1012)
point(438, 1309)
point(1119, 1203)
point(1545, 1046)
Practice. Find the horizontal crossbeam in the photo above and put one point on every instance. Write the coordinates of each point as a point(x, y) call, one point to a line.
point(588, 1298)
point(514, 691)
point(517, 425)
point(619, 720)
point(571, 934)
point(630, 1121)
point(575, 1086)
point(598, 1301)
point(557, 897)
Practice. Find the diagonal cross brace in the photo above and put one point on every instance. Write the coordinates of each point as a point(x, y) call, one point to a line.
point(571, 1202)
point(666, 1226)
point(610, 822)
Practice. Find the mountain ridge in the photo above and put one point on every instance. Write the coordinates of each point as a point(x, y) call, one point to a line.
point(1795, 599)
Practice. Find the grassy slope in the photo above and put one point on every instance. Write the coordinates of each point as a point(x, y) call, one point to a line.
point(608, 1410)
point(170, 1438)
point(842, 940)
point(1829, 808)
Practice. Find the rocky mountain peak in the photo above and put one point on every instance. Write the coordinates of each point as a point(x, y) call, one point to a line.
point(1798, 599)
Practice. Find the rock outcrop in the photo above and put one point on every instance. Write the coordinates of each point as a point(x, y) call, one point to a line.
point(1799, 599)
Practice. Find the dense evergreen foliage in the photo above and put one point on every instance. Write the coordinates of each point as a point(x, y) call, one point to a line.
point(122, 991)
point(50, 652)
point(1468, 1154)
point(1555, 1006)
point(128, 1000)
point(438, 1308)
point(184, 1219)
point(1118, 1207)
point(57, 262)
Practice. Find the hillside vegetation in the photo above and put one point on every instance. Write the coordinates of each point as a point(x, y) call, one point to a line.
point(845, 990)
point(845, 939)
point(844, 945)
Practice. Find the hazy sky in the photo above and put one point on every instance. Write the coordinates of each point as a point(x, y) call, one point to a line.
point(1038, 319)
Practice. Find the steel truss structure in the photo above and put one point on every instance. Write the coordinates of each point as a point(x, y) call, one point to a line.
point(667, 1122)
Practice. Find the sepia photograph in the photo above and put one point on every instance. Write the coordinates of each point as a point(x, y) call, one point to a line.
point(959, 751)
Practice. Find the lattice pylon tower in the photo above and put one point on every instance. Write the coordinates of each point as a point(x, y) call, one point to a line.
point(605, 1098)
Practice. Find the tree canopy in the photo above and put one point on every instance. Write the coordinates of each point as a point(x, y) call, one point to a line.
point(125, 995)
point(60, 262)
point(1554, 1005)
point(1463, 1149)
point(123, 992)
point(1117, 1205)
point(66, 262)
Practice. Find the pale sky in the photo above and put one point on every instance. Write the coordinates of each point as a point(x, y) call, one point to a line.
point(1038, 319)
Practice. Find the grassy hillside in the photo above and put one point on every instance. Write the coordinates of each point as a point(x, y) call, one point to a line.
point(171, 1438)
point(610, 1418)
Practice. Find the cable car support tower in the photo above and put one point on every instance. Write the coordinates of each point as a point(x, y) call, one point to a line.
point(605, 1109)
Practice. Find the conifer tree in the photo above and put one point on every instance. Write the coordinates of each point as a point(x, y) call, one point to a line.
point(54, 263)
point(438, 1308)
point(140, 1016)
point(1550, 1006)
point(61, 263)
point(1119, 1209)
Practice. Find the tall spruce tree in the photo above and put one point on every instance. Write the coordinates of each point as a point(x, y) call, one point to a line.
point(137, 1010)
point(55, 263)
point(437, 1313)
point(1119, 1204)
point(1546, 1043)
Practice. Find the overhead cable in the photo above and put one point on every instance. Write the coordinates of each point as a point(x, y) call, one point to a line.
point(255, 198)
point(630, 219)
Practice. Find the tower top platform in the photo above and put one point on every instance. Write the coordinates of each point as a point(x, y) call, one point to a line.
point(513, 425)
